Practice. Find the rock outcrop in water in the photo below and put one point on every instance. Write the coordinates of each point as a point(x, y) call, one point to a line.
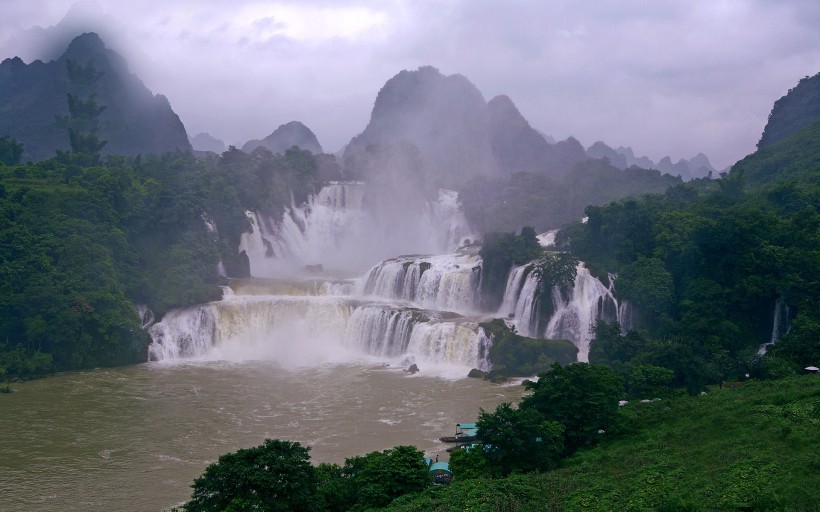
point(33, 99)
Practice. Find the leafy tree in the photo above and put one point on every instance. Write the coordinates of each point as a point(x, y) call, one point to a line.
point(275, 476)
point(519, 440)
point(582, 397)
point(380, 477)
point(472, 463)
point(648, 381)
point(10, 150)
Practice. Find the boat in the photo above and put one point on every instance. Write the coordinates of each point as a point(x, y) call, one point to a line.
point(465, 433)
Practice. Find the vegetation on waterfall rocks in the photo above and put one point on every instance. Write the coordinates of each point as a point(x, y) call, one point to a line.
point(513, 355)
point(499, 253)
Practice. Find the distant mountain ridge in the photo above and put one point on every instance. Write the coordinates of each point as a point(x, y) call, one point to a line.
point(458, 134)
point(285, 137)
point(135, 121)
point(698, 166)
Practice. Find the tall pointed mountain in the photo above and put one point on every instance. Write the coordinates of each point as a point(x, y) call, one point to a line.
point(285, 137)
point(458, 134)
point(33, 100)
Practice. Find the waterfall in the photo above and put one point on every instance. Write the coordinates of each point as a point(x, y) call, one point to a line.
point(781, 324)
point(307, 234)
point(382, 331)
point(336, 229)
point(576, 311)
point(458, 343)
point(448, 282)
point(300, 330)
point(521, 300)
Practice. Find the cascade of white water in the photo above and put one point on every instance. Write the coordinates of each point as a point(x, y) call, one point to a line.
point(513, 290)
point(576, 313)
point(300, 330)
point(146, 316)
point(459, 343)
point(781, 324)
point(547, 239)
point(307, 234)
point(448, 282)
point(336, 229)
point(382, 331)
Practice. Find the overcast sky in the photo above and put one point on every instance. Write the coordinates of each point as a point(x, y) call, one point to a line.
point(666, 77)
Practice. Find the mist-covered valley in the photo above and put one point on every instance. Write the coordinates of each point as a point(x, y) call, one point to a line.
point(167, 297)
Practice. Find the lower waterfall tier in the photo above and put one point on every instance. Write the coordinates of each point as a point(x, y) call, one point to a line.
point(305, 330)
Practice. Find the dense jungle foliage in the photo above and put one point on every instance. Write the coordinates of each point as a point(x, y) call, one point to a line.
point(83, 239)
point(546, 202)
point(704, 270)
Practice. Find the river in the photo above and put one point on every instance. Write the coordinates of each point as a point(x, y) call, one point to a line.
point(134, 438)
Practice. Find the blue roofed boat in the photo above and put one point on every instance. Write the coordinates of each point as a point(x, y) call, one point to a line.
point(465, 433)
point(441, 472)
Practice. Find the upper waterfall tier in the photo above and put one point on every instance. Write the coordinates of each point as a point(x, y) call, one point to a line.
point(448, 282)
point(340, 230)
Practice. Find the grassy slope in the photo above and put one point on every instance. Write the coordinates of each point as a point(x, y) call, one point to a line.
point(753, 448)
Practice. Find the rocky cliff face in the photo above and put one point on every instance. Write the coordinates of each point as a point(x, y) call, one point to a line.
point(33, 99)
point(285, 137)
point(794, 111)
point(458, 134)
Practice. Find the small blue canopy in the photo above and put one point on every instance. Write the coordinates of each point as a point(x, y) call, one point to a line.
point(440, 466)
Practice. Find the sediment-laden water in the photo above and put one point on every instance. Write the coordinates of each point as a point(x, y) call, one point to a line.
point(134, 438)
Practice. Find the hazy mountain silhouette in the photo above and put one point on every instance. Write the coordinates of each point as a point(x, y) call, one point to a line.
point(285, 137)
point(458, 134)
point(207, 142)
point(696, 167)
point(33, 98)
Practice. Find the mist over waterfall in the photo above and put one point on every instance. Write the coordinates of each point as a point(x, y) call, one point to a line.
point(343, 229)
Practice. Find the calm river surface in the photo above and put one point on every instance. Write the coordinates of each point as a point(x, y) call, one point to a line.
point(134, 438)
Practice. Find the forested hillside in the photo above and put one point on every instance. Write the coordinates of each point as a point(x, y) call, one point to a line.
point(705, 270)
point(84, 239)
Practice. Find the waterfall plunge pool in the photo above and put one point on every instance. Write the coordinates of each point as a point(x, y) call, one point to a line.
point(134, 438)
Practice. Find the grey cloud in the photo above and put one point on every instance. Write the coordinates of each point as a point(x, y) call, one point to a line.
point(664, 77)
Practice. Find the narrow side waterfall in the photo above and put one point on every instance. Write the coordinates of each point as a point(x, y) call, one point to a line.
point(448, 282)
point(521, 300)
point(577, 310)
point(781, 324)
